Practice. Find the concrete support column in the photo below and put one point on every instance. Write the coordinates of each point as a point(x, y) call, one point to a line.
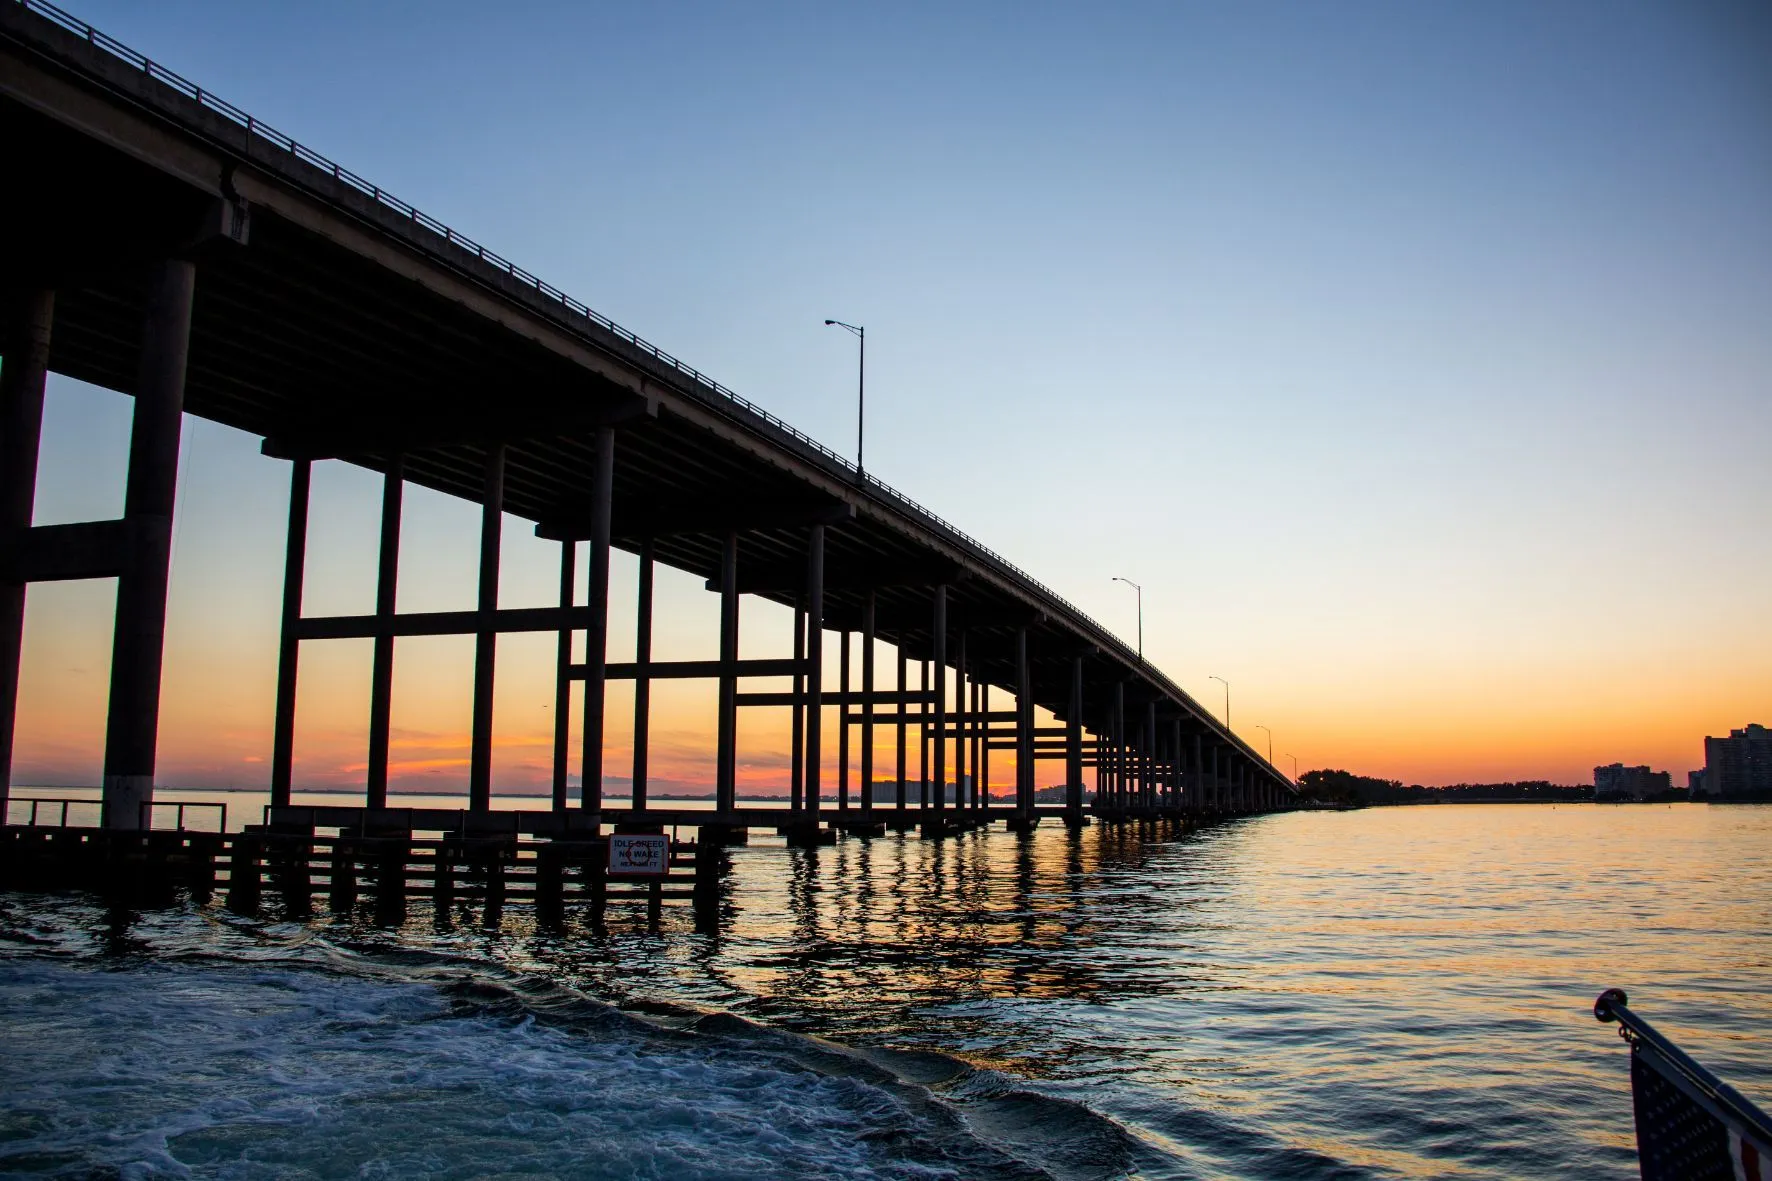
point(24, 370)
point(814, 666)
point(726, 736)
point(903, 709)
point(845, 700)
point(981, 744)
point(381, 675)
point(643, 674)
point(1178, 794)
point(597, 628)
point(1197, 780)
point(1024, 726)
point(797, 713)
point(924, 712)
point(295, 553)
point(1150, 755)
point(492, 509)
point(563, 675)
point(1073, 742)
point(939, 670)
point(962, 718)
point(867, 704)
point(132, 727)
point(1120, 744)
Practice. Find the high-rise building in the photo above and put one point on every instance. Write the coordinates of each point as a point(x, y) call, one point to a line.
point(1619, 782)
point(1740, 765)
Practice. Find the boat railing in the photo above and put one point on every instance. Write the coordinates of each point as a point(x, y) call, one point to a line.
point(1690, 1123)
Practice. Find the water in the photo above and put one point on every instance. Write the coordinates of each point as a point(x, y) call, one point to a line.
point(1398, 992)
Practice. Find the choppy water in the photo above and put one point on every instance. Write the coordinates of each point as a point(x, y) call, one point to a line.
point(1388, 993)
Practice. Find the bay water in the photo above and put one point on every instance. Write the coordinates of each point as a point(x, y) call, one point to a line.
point(1390, 992)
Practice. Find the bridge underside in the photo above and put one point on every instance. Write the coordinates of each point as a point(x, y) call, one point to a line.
point(154, 245)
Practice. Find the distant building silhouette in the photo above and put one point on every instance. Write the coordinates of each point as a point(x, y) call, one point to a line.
point(1740, 765)
point(1619, 782)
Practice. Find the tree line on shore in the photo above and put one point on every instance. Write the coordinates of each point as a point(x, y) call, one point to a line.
point(1345, 787)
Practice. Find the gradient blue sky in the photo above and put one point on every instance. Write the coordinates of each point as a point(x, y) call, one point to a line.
point(1416, 357)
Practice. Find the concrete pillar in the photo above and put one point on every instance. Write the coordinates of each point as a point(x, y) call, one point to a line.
point(381, 675)
point(24, 370)
point(1024, 726)
point(1150, 755)
point(867, 704)
point(1073, 742)
point(492, 508)
point(1120, 744)
point(903, 710)
point(939, 668)
point(843, 696)
point(1197, 778)
point(1178, 795)
point(961, 719)
point(726, 734)
point(814, 665)
point(797, 713)
point(563, 675)
point(288, 647)
point(597, 627)
point(132, 727)
point(643, 674)
point(924, 712)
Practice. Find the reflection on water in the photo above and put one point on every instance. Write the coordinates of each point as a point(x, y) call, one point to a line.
point(1391, 992)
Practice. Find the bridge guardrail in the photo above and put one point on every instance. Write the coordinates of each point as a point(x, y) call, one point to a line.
point(307, 155)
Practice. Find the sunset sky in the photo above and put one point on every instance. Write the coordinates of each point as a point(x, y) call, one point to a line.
point(1416, 358)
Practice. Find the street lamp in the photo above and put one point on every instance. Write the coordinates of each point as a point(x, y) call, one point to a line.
point(1294, 759)
point(1140, 591)
point(1270, 743)
point(1227, 700)
point(861, 377)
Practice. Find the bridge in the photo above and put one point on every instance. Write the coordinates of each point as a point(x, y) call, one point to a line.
point(165, 244)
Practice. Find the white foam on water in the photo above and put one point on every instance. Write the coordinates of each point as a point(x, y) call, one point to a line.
point(148, 1068)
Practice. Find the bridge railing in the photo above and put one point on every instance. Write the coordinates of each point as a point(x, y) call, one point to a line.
point(256, 127)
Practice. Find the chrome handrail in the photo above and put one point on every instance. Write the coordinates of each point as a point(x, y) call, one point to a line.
point(256, 128)
point(1613, 1005)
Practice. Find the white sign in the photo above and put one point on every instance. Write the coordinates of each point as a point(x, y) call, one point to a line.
point(635, 853)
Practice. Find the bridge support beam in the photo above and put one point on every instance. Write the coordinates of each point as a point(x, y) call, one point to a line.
point(563, 677)
point(381, 676)
point(936, 826)
point(597, 633)
point(492, 508)
point(1073, 747)
point(138, 642)
point(814, 667)
point(288, 647)
point(24, 371)
point(867, 706)
point(726, 733)
point(902, 751)
point(843, 721)
point(643, 674)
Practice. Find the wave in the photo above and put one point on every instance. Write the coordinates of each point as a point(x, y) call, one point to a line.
point(282, 1053)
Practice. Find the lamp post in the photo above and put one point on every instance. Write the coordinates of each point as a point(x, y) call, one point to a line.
point(861, 378)
point(1294, 759)
point(1227, 700)
point(1270, 743)
point(1140, 591)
